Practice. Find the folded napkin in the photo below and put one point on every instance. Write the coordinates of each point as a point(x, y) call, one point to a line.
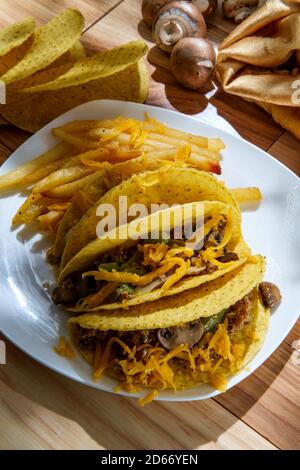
point(260, 61)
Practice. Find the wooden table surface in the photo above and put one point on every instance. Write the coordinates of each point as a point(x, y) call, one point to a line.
point(40, 409)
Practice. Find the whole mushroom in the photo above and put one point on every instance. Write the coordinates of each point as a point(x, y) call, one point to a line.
point(238, 10)
point(150, 9)
point(192, 62)
point(206, 7)
point(175, 21)
point(270, 294)
point(173, 336)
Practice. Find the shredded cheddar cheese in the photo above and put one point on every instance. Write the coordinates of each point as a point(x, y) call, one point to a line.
point(212, 362)
point(64, 349)
point(93, 300)
point(148, 398)
point(171, 262)
point(153, 252)
point(179, 273)
point(131, 278)
point(124, 125)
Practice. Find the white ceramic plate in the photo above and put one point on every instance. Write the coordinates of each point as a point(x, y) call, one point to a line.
point(30, 320)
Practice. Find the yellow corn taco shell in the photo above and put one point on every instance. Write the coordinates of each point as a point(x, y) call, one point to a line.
point(99, 65)
point(204, 301)
point(14, 56)
point(207, 300)
point(105, 180)
point(15, 35)
point(35, 110)
point(50, 41)
point(172, 185)
point(165, 220)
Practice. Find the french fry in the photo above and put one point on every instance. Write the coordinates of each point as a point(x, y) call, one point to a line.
point(69, 189)
point(164, 154)
point(44, 171)
point(94, 149)
point(60, 206)
point(79, 126)
point(99, 132)
point(49, 222)
point(196, 150)
point(75, 140)
point(215, 145)
point(31, 172)
point(194, 160)
point(60, 177)
point(34, 206)
point(204, 164)
point(121, 127)
point(246, 196)
point(154, 126)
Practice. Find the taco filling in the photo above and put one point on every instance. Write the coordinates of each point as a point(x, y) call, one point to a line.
point(125, 273)
point(207, 350)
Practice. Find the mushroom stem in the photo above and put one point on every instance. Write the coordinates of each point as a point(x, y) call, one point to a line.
point(171, 32)
point(176, 20)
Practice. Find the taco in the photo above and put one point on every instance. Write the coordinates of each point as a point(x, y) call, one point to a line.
point(202, 335)
point(168, 184)
point(192, 244)
point(88, 197)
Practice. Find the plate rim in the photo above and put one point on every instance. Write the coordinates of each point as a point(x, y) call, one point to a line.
point(161, 397)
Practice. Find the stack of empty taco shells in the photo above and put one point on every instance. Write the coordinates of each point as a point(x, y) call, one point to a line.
point(260, 61)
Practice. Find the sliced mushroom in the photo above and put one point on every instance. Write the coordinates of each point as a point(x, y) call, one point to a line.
point(175, 21)
point(270, 294)
point(188, 334)
point(238, 10)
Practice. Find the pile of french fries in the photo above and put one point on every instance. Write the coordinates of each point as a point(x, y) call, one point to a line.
point(87, 149)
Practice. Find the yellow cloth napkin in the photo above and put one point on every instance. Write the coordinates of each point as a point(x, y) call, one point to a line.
point(258, 61)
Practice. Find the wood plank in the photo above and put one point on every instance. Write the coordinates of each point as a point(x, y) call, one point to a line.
point(294, 335)
point(251, 122)
point(43, 10)
point(4, 153)
point(269, 400)
point(73, 416)
point(287, 150)
point(12, 138)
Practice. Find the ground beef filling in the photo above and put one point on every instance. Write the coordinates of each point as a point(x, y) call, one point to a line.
point(74, 287)
point(238, 316)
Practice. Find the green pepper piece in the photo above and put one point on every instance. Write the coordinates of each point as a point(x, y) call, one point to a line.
point(210, 323)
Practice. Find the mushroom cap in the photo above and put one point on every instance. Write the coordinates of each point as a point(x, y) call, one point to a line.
point(150, 9)
point(230, 8)
point(192, 62)
point(206, 7)
point(270, 294)
point(174, 336)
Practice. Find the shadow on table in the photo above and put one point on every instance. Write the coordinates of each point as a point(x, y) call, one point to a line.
point(243, 115)
point(115, 422)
